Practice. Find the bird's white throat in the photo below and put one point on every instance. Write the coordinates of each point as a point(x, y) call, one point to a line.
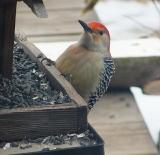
point(88, 42)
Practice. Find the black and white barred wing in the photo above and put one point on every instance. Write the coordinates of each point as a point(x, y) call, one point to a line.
point(105, 77)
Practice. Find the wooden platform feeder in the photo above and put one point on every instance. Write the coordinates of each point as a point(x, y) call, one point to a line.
point(20, 123)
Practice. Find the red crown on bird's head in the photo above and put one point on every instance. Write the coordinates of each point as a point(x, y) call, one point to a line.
point(98, 26)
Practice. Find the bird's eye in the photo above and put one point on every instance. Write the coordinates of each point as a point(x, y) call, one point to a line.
point(101, 32)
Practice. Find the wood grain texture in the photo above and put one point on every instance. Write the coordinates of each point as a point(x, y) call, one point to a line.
point(7, 26)
point(39, 122)
point(117, 119)
point(61, 24)
point(137, 71)
point(58, 22)
point(54, 5)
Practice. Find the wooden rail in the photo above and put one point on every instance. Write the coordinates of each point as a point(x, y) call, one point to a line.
point(7, 26)
point(118, 120)
point(142, 72)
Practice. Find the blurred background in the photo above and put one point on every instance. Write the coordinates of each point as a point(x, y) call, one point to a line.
point(128, 117)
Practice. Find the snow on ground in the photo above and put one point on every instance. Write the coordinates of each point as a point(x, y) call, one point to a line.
point(128, 22)
point(150, 107)
point(128, 19)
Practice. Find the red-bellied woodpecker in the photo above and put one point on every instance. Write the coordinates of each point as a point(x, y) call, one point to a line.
point(89, 62)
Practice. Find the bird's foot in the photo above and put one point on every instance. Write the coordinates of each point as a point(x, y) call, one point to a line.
point(49, 62)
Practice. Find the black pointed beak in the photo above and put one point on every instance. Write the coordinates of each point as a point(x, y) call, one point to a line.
point(85, 26)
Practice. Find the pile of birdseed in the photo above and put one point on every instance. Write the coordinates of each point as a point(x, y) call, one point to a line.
point(50, 143)
point(28, 86)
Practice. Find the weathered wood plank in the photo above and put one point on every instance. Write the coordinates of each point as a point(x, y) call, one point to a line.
point(55, 5)
point(60, 23)
point(42, 122)
point(118, 120)
point(137, 71)
point(7, 26)
point(37, 108)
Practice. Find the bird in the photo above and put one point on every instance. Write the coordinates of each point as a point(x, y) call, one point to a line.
point(88, 62)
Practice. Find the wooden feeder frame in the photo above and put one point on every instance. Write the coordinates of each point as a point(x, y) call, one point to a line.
point(39, 121)
point(7, 26)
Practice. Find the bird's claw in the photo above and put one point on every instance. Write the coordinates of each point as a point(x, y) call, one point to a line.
point(49, 62)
